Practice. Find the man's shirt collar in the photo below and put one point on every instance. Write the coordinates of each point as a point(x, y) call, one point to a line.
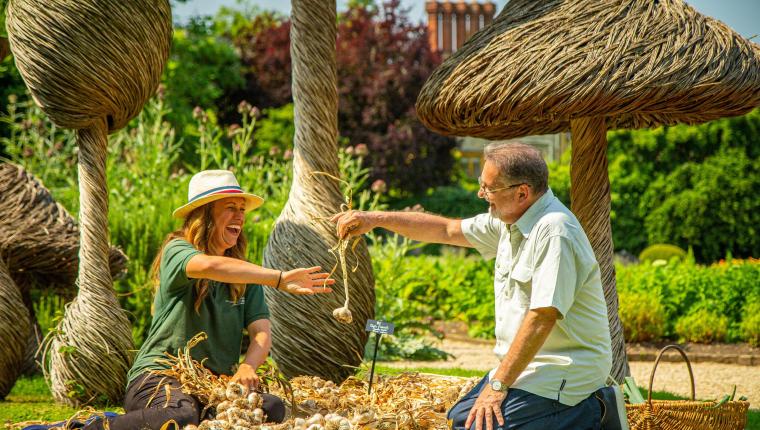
point(533, 214)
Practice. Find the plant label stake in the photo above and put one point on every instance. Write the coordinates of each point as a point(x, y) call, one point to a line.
point(379, 328)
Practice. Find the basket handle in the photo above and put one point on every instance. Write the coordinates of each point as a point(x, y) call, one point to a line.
point(654, 368)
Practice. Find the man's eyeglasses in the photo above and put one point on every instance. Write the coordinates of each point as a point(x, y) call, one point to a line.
point(488, 191)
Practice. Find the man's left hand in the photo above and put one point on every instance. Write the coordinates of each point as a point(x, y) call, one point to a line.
point(246, 375)
point(486, 406)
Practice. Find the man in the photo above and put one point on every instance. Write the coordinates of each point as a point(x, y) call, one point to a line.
point(552, 334)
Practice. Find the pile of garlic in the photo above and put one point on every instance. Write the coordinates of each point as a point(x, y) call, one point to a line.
point(236, 409)
point(319, 422)
point(403, 401)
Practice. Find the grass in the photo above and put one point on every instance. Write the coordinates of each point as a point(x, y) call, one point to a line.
point(30, 399)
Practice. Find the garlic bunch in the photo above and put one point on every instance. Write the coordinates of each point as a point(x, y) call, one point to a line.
point(237, 409)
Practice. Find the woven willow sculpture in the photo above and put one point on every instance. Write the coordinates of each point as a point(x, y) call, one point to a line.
point(306, 338)
point(586, 66)
point(91, 65)
point(39, 242)
point(14, 331)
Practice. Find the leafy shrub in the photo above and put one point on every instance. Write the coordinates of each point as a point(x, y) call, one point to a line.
point(724, 288)
point(404, 347)
point(716, 208)
point(662, 251)
point(275, 129)
point(643, 316)
point(412, 292)
point(451, 201)
point(750, 325)
point(203, 70)
point(702, 326)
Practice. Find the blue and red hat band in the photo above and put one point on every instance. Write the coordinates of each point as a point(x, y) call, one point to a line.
point(219, 190)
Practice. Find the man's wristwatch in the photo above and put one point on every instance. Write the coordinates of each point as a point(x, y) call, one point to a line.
point(497, 385)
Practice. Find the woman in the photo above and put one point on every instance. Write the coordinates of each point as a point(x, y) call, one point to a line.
point(204, 284)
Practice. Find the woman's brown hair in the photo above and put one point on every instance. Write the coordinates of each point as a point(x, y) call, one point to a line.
point(197, 230)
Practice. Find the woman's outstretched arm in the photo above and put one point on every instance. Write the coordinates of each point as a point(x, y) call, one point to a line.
point(233, 271)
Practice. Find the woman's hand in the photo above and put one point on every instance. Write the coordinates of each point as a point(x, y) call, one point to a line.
point(305, 281)
point(246, 376)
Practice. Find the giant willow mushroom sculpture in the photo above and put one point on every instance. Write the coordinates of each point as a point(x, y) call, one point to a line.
point(586, 66)
point(91, 65)
point(39, 243)
point(14, 331)
point(306, 338)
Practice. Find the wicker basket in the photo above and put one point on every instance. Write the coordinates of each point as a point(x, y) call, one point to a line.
point(685, 414)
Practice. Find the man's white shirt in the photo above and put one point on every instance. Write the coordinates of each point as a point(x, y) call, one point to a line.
point(545, 260)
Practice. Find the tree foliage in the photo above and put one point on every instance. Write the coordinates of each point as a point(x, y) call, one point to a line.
point(711, 206)
point(691, 186)
point(203, 70)
point(264, 47)
point(676, 184)
point(383, 61)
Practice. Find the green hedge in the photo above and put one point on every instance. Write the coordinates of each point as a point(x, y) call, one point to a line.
point(693, 299)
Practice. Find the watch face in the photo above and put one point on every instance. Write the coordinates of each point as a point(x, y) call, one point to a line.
point(497, 385)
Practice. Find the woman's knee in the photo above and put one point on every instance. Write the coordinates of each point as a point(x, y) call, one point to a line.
point(186, 413)
point(274, 407)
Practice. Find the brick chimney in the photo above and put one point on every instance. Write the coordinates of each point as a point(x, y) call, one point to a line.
point(451, 24)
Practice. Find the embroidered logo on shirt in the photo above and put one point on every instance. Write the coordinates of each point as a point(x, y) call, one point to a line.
point(238, 303)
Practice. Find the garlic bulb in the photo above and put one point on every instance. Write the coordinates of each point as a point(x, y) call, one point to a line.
point(343, 315)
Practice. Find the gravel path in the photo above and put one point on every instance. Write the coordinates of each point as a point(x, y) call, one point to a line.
point(712, 380)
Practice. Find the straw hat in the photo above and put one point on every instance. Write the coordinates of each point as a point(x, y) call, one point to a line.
point(210, 185)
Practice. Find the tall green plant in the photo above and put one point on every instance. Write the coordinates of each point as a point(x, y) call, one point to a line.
point(414, 291)
point(42, 148)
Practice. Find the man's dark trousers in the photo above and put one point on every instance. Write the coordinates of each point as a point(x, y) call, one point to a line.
point(525, 411)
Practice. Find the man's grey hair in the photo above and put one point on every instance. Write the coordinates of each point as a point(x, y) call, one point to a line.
point(518, 162)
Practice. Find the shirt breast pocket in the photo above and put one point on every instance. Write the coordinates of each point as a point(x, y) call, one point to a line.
point(522, 277)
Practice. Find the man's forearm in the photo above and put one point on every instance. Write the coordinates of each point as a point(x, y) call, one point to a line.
point(532, 334)
point(422, 227)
